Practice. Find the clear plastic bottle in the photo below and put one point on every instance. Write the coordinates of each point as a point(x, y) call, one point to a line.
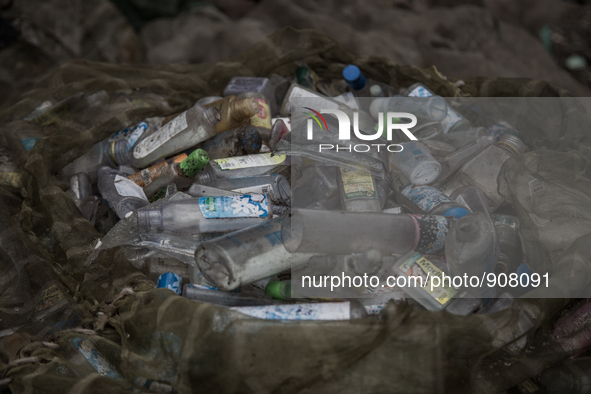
point(197, 190)
point(432, 108)
point(207, 214)
point(416, 163)
point(113, 151)
point(318, 182)
point(238, 85)
point(275, 186)
point(262, 119)
point(241, 166)
point(234, 111)
point(319, 311)
point(80, 186)
point(358, 191)
point(186, 130)
point(452, 121)
point(147, 175)
point(433, 202)
point(242, 257)
point(363, 87)
point(243, 140)
point(470, 248)
point(316, 231)
point(483, 170)
point(460, 138)
point(454, 161)
point(511, 252)
point(213, 296)
point(122, 194)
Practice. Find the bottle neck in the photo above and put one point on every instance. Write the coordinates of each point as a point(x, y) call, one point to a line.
point(244, 108)
point(211, 117)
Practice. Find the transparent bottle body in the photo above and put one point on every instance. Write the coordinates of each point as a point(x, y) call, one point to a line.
point(471, 248)
point(416, 163)
point(317, 183)
point(122, 194)
point(245, 256)
point(217, 297)
point(338, 232)
point(511, 252)
point(276, 186)
point(454, 161)
point(171, 174)
point(460, 138)
point(431, 108)
point(188, 216)
point(186, 130)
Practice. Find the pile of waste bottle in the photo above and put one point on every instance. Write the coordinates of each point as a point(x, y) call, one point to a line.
point(230, 202)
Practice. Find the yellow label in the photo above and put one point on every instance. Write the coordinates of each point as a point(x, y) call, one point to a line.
point(11, 179)
point(51, 295)
point(262, 159)
point(263, 118)
point(357, 183)
point(419, 266)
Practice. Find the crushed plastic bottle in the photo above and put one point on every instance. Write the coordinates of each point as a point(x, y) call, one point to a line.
point(275, 186)
point(431, 201)
point(358, 191)
point(147, 175)
point(122, 194)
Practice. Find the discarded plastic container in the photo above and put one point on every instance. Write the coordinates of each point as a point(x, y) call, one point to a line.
point(186, 130)
point(470, 248)
point(433, 202)
point(358, 191)
point(483, 170)
point(418, 272)
point(277, 132)
point(363, 87)
point(204, 294)
point(416, 163)
point(437, 148)
point(81, 186)
point(452, 121)
point(317, 183)
point(316, 231)
point(170, 281)
point(122, 194)
point(241, 166)
point(280, 290)
point(264, 86)
point(431, 108)
point(320, 311)
point(234, 111)
point(147, 175)
point(207, 214)
point(244, 140)
point(275, 186)
point(181, 174)
point(460, 138)
point(472, 198)
point(511, 252)
point(245, 256)
point(454, 161)
point(112, 151)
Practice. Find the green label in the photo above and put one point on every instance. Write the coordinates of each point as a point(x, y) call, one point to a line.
point(357, 184)
point(417, 265)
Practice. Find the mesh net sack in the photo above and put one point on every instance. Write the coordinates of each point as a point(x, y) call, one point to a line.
point(69, 327)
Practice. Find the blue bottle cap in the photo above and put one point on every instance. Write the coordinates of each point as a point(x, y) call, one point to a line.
point(353, 76)
point(456, 212)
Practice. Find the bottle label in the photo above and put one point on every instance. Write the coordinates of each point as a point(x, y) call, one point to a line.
point(258, 189)
point(243, 206)
point(451, 118)
point(160, 136)
point(419, 266)
point(131, 134)
point(263, 118)
point(433, 230)
point(357, 184)
point(49, 296)
point(127, 188)
point(505, 220)
point(319, 311)
point(425, 197)
point(264, 159)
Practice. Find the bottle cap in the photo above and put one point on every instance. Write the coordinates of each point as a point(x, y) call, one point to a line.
point(456, 212)
point(353, 76)
point(194, 162)
point(375, 90)
point(512, 142)
point(250, 139)
point(278, 290)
